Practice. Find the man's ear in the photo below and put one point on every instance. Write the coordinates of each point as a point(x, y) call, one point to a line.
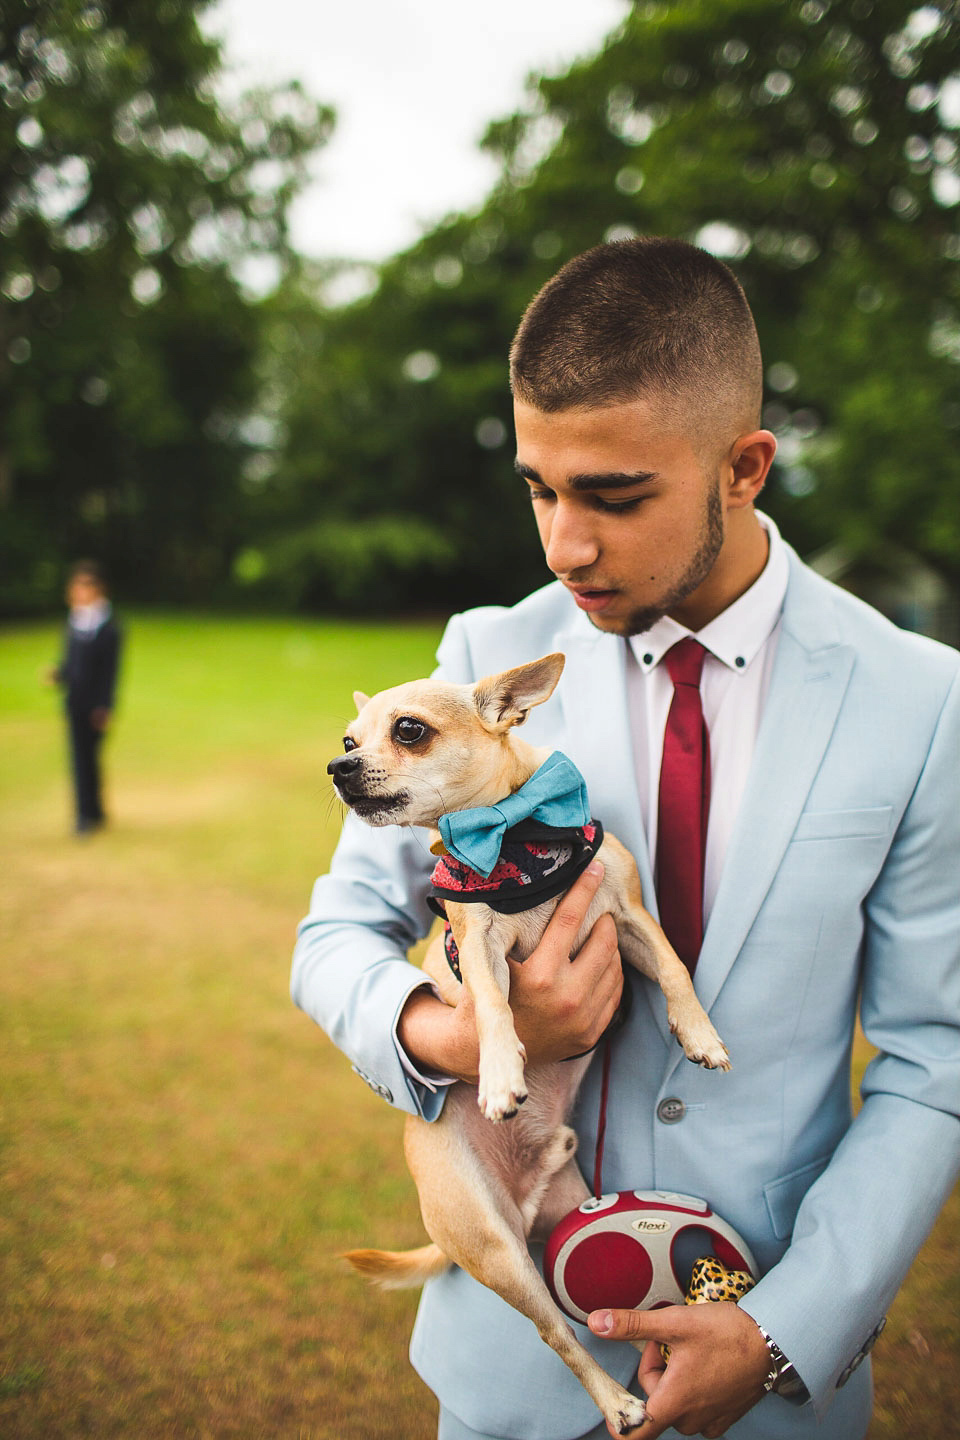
point(503, 700)
point(359, 699)
point(749, 466)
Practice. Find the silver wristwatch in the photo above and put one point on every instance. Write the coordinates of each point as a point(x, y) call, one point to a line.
point(782, 1378)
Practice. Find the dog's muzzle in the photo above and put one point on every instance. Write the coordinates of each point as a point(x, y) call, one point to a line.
point(361, 789)
point(345, 770)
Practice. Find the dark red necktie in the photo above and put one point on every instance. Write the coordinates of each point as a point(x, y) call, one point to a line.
point(684, 805)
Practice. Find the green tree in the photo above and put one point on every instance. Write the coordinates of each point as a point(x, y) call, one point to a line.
point(134, 209)
point(392, 417)
point(813, 146)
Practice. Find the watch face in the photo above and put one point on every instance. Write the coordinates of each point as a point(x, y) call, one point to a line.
point(635, 1250)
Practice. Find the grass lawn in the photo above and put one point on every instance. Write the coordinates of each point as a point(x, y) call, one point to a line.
point(183, 1155)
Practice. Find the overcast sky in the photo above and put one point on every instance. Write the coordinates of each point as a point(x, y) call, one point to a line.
point(414, 83)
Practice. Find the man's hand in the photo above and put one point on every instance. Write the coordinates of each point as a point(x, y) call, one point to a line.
point(718, 1363)
point(100, 719)
point(560, 1009)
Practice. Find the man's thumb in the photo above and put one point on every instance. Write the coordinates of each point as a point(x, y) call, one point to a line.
point(634, 1324)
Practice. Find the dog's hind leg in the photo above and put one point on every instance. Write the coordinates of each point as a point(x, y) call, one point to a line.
point(469, 1215)
point(557, 1183)
point(565, 1191)
point(506, 1267)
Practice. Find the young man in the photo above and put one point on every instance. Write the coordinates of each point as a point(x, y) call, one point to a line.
point(828, 874)
point(87, 674)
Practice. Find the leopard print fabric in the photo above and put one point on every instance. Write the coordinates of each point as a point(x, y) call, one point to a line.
point(712, 1280)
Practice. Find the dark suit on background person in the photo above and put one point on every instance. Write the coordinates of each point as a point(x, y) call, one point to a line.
point(87, 673)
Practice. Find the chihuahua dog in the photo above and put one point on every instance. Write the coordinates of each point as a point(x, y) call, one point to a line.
point(414, 754)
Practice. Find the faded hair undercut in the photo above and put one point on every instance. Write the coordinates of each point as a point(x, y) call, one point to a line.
point(650, 317)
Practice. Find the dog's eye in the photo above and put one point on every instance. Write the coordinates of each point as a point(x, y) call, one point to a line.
point(349, 744)
point(408, 731)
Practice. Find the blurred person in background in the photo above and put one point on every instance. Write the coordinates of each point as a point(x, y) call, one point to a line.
point(87, 674)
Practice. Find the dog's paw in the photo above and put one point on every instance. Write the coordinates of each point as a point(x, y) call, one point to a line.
point(712, 1055)
point(702, 1045)
point(629, 1414)
point(502, 1088)
point(501, 1106)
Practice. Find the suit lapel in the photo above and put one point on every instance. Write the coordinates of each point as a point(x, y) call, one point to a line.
point(810, 677)
point(597, 736)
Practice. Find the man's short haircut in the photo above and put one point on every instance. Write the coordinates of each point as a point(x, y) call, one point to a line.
point(88, 570)
point(651, 316)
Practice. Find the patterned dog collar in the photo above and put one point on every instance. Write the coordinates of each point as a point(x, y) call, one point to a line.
point(537, 863)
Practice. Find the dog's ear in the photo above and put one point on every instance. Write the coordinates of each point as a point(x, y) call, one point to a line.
point(504, 700)
point(359, 699)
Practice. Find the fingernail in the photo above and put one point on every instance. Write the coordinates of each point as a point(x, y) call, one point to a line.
point(601, 1322)
point(595, 868)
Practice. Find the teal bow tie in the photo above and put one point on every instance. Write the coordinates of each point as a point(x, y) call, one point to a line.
point(556, 795)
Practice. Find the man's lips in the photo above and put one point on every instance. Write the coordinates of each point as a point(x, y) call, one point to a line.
point(591, 597)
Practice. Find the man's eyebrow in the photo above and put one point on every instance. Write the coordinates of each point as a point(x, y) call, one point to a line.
point(611, 480)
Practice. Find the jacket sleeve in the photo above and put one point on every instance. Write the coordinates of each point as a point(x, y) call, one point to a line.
point(104, 680)
point(862, 1223)
point(58, 672)
point(350, 971)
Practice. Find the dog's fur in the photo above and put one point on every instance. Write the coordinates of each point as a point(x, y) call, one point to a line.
point(414, 753)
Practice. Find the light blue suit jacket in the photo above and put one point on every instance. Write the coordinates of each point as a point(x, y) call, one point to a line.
point(841, 881)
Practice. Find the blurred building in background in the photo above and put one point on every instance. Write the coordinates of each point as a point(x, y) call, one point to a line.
point(900, 585)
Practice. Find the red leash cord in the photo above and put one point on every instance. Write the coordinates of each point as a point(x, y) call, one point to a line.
point(601, 1121)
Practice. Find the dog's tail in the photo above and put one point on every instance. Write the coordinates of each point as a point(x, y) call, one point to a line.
point(398, 1269)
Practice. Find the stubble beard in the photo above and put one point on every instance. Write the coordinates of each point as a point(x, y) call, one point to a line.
point(701, 563)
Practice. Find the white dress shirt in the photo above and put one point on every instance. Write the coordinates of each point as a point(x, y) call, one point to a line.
point(87, 619)
point(741, 643)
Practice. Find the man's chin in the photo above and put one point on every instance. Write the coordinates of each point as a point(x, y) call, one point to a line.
point(638, 622)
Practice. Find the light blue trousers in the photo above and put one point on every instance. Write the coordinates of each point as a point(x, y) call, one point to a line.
point(450, 1428)
point(849, 1417)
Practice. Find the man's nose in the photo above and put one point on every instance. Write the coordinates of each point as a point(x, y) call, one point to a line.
point(342, 766)
point(569, 544)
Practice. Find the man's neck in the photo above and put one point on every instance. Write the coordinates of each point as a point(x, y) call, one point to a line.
point(739, 564)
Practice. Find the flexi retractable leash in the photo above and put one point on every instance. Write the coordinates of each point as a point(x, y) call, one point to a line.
point(635, 1249)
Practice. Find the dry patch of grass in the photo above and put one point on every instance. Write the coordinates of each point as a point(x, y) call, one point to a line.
point(917, 1361)
point(183, 1156)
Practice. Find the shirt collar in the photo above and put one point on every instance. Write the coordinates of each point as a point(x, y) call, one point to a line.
point(86, 618)
point(735, 636)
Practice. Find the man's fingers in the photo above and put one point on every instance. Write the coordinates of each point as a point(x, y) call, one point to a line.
point(566, 920)
point(652, 1366)
point(715, 1373)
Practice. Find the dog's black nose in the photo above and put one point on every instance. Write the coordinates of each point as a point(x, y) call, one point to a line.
point(343, 766)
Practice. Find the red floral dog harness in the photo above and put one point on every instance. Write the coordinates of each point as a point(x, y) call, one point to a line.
point(537, 862)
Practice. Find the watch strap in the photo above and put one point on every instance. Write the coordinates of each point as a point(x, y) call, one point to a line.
point(782, 1377)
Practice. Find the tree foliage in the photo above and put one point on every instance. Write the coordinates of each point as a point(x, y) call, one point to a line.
point(133, 206)
point(359, 455)
point(812, 145)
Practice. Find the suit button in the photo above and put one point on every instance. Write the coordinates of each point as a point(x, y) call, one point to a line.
point(670, 1110)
